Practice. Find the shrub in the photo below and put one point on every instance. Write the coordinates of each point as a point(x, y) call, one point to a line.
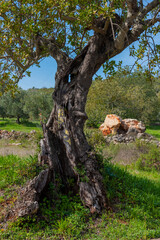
point(127, 95)
point(149, 161)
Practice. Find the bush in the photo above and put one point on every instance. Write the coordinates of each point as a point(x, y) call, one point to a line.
point(127, 95)
point(149, 161)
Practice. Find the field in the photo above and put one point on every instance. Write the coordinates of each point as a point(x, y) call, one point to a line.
point(24, 126)
point(154, 130)
point(133, 192)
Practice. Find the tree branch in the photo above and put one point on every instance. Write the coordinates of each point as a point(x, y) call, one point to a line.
point(133, 14)
point(132, 11)
point(50, 44)
point(150, 6)
point(14, 58)
point(132, 7)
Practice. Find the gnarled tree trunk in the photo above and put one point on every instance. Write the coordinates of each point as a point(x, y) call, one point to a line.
point(69, 152)
point(64, 146)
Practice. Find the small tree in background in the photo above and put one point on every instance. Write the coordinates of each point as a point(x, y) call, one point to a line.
point(38, 103)
point(13, 105)
point(129, 95)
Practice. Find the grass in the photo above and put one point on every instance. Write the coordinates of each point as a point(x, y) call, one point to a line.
point(154, 130)
point(16, 170)
point(133, 193)
point(24, 126)
point(133, 210)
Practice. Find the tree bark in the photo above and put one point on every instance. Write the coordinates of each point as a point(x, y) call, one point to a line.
point(68, 151)
point(18, 120)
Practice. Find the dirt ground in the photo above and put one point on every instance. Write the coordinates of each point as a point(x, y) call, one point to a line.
point(124, 154)
point(15, 150)
point(7, 148)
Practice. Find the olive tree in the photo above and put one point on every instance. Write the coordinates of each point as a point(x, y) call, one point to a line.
point(138, 100)
point(38, 103)
point(81, 35)
point(13, 105)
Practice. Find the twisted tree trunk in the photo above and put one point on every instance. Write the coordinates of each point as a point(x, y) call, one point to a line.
point(64, 146)
point(68, 151)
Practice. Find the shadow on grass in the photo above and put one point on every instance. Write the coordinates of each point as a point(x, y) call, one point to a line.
point(30, 124)
point(154, 130)
point(4, 123)
point(134, 196)
point(134, 200)
point(25, 123)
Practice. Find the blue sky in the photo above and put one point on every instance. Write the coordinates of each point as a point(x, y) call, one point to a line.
point(44, 76)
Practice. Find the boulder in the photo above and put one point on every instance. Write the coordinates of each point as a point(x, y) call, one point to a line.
point(129, 124)
point(111, 124)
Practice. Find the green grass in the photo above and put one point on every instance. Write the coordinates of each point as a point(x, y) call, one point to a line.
point(154, 130)
point(133, 194)
point(133, 209)
point(24, 126)
point(16, 170)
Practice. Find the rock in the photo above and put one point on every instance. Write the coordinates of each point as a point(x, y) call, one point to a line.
point(129, 130)
point(111, 124)
point(132, 132)
point(140, 135)
point(133, 123)
point(33, 132)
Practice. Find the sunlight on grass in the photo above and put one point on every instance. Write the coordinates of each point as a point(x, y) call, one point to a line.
point(24, 126)
point(16, 170)
point(154, 130)
point(133, 211)
point(133, 207)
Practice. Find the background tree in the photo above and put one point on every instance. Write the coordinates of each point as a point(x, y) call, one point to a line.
point(2, 111)
point(80, 36)
point(38, 103)
point(13, 105)
point(138, 100)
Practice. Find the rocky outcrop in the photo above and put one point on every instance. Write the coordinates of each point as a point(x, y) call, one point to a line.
point(116, 130)
point(130, 124)
point(111, 124)
point(114, 124)
point(13, 135)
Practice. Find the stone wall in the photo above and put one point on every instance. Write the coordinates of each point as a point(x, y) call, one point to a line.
point(128, 138)
point(13, 135)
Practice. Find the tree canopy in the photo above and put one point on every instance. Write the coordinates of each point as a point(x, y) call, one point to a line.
point(32, 30)
point(138, 101)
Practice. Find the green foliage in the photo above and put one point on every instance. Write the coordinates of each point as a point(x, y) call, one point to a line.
point(12, 105)
point(38, 103)
point(149, 161)
point(124, 94)
point(69, 23)
point(35, 104)
point(16, 170)
point(94, 137)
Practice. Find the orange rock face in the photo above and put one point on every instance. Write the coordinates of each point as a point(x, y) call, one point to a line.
point(133, 123)
point(111, 124)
